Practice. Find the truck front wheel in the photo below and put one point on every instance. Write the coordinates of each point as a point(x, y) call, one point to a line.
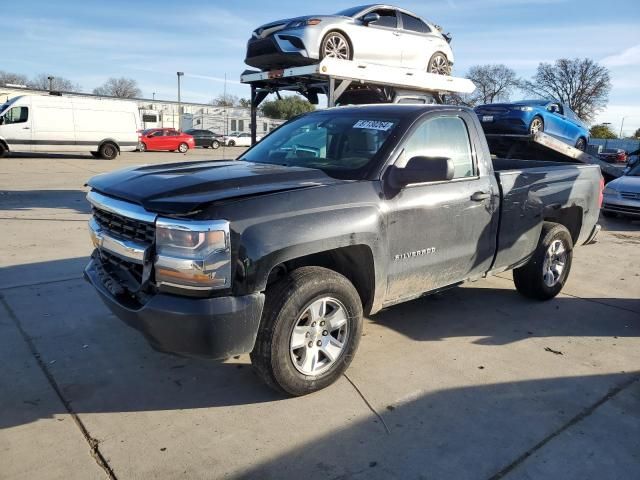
point(310, 330)
point(545, 274)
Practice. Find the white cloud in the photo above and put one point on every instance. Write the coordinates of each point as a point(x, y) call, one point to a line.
point(629, 56)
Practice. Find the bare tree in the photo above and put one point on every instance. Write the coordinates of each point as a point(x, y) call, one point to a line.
point(225, 100)
point(244, 102)
point(60, 84)
point(119, 87)
point(14, 78)
point(493, 83)
point(581, 83)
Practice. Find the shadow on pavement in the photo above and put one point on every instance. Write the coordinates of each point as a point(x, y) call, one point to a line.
point(24, 200)
point(476, 432)
point(504, 316)
point(103, 366)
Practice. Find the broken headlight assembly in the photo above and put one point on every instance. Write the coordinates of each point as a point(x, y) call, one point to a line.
point(192, 257)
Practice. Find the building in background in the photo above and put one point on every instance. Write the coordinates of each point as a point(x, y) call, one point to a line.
point(164, 113)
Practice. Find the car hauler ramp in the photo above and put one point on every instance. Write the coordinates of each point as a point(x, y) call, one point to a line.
point(543, 145)
point(332, 77)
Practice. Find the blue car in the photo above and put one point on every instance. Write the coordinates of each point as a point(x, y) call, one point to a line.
point(531, 116)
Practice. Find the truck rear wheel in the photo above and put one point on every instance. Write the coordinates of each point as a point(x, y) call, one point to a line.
point(3, 150)
point(310, 330)
point(545, 274)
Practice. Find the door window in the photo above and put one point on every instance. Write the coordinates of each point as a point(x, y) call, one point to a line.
point(413, 24)
point(387, 18)
point(16, 115)
point(442, 137)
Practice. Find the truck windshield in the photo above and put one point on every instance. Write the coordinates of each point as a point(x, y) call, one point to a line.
point(340, 144)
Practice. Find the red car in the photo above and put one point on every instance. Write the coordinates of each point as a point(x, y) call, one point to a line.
point(165, 139)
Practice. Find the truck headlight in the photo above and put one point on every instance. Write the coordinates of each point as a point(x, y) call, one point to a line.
point(192, 255)
point(609, 191)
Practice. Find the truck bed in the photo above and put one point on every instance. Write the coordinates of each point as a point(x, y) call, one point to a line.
point(535, 189)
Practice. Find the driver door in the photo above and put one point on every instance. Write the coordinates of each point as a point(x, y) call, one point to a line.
point(440, 233)
point(16, 128)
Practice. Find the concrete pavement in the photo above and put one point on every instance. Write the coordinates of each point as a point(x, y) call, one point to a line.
point(475, 382)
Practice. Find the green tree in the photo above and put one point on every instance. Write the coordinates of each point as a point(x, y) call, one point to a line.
point(286, 107)
point(637, 134)
point(602, 131)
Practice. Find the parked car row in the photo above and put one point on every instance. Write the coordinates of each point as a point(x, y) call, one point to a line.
point(154, 139)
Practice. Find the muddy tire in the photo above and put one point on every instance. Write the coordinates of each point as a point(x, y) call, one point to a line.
point(544, 275)
point(310, 330)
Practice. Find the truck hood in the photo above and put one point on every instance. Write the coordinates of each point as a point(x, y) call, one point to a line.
point(186, 187)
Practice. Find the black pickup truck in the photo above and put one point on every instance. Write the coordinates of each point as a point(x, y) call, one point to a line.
point(336, 214)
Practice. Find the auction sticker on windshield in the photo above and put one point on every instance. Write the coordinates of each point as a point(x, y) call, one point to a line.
point(373, 125)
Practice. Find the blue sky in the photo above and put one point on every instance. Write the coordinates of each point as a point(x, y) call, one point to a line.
point(89, 41)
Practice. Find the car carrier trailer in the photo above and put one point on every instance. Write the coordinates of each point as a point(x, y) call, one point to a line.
point(333, 77)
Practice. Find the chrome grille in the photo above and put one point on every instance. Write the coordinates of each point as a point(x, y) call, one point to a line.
point(124, 227)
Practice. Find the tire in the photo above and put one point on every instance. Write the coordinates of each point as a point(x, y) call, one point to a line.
point(232, 143)
point(108, 151)
point(215, 144)
point(439, 64)
point(538, 279)
point(336, 45)
point(3, 150)
point(142, 147)
point(581, 144)
point(183, 148)
point(289, 304)
point(536, 125)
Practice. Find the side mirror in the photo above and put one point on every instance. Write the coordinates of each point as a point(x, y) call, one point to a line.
point(1, 120)
point(420, 170)
point(370, 18)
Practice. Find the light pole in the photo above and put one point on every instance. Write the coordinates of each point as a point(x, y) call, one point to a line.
point(622, 125)
point(50, 78)
point(180, 74)
point(153, 96)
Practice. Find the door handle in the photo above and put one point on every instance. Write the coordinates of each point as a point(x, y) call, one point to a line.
point(397, 34)
point(480, 196)
point(26, 128)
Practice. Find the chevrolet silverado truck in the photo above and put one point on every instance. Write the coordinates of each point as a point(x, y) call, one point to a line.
point(337, 214)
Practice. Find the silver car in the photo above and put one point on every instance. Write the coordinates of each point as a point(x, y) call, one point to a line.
point(381, 34)
point(622, 195)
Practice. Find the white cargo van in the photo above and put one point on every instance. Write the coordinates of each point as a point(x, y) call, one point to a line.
point(55, 124)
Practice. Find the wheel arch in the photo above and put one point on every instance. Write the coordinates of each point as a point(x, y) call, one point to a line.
point(109, 140)
point(569, 217)
point(341, 32)
point(355, 262)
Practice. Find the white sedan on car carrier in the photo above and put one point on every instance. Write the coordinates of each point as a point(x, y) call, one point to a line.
point(381, 34)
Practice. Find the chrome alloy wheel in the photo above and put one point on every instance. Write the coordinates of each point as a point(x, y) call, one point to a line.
point(439, 65)
point(536, 126)
point(319, 336)
point(336, 47)
point(554, 263)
